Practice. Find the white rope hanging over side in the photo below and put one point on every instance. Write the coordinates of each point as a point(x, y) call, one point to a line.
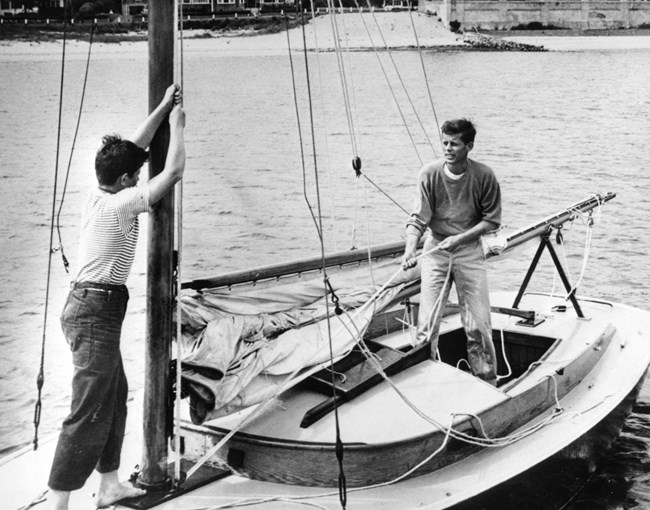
point(589, 219)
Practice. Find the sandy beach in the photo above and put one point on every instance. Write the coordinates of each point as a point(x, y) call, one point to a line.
point(356, 32)
point(394, 30)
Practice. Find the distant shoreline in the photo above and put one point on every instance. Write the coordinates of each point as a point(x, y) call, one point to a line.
point(394, 29)
point(115, 34)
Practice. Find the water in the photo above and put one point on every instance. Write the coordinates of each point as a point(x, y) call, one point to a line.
point(554, 126)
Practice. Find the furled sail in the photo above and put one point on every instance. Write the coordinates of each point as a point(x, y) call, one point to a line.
point(242, 343)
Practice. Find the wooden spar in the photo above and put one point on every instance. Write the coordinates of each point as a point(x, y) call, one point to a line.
point(297, 267)
point(160, 259)
point(385, 250)
point(527, 233)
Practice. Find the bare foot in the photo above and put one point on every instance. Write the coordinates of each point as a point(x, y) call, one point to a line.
point(107, 496)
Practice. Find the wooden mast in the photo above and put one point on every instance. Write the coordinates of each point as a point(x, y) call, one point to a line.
point(160, 260)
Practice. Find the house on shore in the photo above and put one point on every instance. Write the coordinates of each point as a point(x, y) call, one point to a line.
point(209, 7)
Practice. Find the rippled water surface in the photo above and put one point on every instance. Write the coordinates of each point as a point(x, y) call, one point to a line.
point(554, 126)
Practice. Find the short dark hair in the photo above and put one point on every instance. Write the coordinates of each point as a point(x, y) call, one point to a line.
point(462, 127)
point(116, 157)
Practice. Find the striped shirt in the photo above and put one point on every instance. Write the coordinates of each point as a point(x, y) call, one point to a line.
point(109, 234)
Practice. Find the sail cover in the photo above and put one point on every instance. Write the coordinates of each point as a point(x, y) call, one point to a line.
point(244, 345)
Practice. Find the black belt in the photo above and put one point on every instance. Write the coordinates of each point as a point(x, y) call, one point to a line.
point(105, 287)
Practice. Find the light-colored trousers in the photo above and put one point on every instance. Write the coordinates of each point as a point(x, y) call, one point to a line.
point(467, 268)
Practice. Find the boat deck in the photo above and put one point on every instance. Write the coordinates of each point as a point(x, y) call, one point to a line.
point(23, 476)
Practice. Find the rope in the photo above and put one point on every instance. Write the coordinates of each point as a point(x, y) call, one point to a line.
point(36, 501)
point(287, 381)
point(399, 75)
point(178, 70)
point(339, 442)
point(385, 194)
point(300, 139)
point(343, 76)
point(348, 53)
point(589, 219)
point(587, 250)
point(484, 441)
point(66, 264)
point(325, 130)
point(390, 87)
point(426, 80)
point(40, 379)
point(505, 358)
point(349, 104)
point(450, 432)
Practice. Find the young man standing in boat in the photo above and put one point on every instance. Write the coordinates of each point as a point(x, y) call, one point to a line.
point(458, 200)
point(91, 436)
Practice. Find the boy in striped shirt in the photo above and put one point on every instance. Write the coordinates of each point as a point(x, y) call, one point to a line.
point(91, 436)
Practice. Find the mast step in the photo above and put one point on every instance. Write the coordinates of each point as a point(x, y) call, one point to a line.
point(203, 476)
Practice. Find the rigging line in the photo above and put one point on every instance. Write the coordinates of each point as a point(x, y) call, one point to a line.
point(426, 80)
point(299, 499)
point(300, 139)
point(325, 131)
point(284, 385)
point(178, 71)
point(66, 264)
point(354, 219)
point(484, 441)
point(386, 194)
point(339, 442)
point(288, 379)
point(399, 77)
point(354, 110)
point(342, 75)
point(390, 87)
point(368, 243)
point(40, 379)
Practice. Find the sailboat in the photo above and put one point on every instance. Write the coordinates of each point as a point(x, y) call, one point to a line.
point(415, 432)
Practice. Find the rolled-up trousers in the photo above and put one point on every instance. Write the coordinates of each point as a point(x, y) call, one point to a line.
point(465, 267)
point(92, 434)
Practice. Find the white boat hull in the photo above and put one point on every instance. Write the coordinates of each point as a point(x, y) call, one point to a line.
point(602, 399)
